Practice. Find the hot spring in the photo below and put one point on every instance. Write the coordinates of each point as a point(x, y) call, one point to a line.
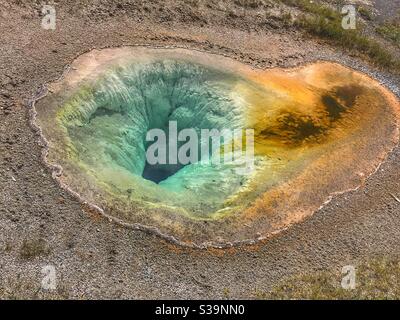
point(318, 130)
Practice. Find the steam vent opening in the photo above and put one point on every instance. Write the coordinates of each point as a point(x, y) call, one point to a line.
point(312, 131)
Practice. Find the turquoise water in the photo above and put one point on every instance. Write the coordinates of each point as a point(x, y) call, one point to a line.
point(318, 130)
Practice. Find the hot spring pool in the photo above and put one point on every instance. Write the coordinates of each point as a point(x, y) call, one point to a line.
point(318, 130)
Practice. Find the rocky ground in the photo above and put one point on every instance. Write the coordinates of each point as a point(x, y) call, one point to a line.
point(40, 224)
